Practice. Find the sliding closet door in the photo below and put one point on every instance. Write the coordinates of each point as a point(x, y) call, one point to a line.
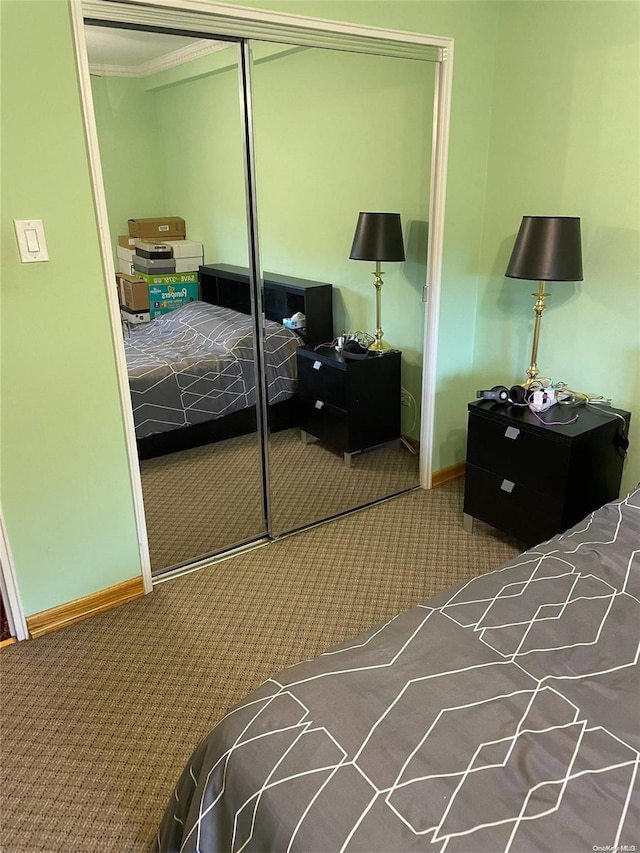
point(172, 136)
point(337, 134)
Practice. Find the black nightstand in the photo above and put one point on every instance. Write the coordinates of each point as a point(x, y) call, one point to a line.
point(535, 480)
point(351, 405)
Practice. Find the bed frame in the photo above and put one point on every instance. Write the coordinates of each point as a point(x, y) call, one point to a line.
point(229, 286)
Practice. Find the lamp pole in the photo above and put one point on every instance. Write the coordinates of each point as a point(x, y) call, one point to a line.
point(538, 308)
point(377, 345)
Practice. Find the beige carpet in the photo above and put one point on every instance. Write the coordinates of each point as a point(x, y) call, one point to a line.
point(209, 498)
point(98, 719)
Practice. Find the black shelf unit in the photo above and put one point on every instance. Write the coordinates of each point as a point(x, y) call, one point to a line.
point(534, 480)
point(228, 285)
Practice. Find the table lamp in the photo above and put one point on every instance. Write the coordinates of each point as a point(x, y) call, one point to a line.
point(378, 238)
point(547, 248)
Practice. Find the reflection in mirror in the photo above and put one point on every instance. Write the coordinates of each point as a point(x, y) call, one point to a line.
point(171, 145)
point(337, 134)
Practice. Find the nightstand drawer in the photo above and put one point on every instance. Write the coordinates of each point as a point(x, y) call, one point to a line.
point(517, 454)
point(326, 382)
point(522, 511)
point(326, 422)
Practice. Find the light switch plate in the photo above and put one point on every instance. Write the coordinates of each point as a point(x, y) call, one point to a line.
point(31, 240)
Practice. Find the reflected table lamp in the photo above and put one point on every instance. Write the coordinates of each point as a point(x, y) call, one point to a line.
point(547, 248)
point(378, 238)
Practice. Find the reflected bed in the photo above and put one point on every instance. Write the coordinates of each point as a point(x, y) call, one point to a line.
point(196, 365)
point(500, 715)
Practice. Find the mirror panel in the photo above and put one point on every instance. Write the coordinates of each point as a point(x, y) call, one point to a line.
point(335, 134)
point(171, 143)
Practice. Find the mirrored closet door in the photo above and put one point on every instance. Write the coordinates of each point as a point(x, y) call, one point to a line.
point(170, 128)
point(237, 174)
point(338, 133)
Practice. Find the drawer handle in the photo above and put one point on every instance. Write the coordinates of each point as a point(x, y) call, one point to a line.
point(317, 365)
point(511, 432)
point(319, 404)
point(507, 486)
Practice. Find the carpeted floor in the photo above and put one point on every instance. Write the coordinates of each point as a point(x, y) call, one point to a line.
point(209, 498)
point(98, 719)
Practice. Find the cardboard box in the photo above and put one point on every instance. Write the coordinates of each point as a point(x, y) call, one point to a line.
point(155, 251)
point(167, 297)
point(169, 278)
point(150, 266)
point(125, 241)
point(158, 228)
point(135, 317)
point(125, 259)
point(188, 264)
point(135, 292)
point(125, 267)
point(185, 248)
point(125, 254)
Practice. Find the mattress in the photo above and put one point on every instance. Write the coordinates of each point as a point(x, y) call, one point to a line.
point(501, 715)
point(196, 363)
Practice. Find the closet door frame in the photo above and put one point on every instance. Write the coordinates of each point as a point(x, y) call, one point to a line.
point(214, 18)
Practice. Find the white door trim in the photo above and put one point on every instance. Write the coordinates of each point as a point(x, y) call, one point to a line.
point(213, 17)
point(9, 587)
point(109, 279)
point(435, 253)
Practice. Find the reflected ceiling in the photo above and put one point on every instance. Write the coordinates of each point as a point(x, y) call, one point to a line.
point(138, 53)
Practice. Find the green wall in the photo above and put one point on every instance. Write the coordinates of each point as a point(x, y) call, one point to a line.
point(566, 141)
point(130, 151)
point(66, 493)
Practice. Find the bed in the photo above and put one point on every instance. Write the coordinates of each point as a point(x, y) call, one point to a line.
point(501, 715)
point(195, 366)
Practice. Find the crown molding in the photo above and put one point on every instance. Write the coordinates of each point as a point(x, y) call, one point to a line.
point(203, 47)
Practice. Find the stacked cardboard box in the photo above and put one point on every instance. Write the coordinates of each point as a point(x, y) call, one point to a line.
point(167, 292)
point(158, 228)
point(125, 252)
point(156, 256)
point(134, 292)
point(188, 255)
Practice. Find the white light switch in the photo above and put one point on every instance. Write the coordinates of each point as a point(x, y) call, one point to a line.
point(31, 240)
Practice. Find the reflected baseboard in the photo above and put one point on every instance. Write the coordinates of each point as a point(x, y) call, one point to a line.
point(412, 442)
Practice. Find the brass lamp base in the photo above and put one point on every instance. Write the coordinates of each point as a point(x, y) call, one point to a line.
point(379, 346)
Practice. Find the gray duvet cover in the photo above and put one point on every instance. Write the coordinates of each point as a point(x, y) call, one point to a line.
point(197, 363)
point(501, 715)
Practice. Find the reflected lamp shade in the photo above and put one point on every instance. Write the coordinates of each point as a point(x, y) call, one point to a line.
point(547, 248)
point(378, 237)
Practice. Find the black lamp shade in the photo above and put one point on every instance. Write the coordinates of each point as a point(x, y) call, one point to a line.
point(547, 248)
point(378, 237)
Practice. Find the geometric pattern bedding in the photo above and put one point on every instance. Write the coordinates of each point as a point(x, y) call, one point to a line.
point(196, 363)
point(502, 715)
